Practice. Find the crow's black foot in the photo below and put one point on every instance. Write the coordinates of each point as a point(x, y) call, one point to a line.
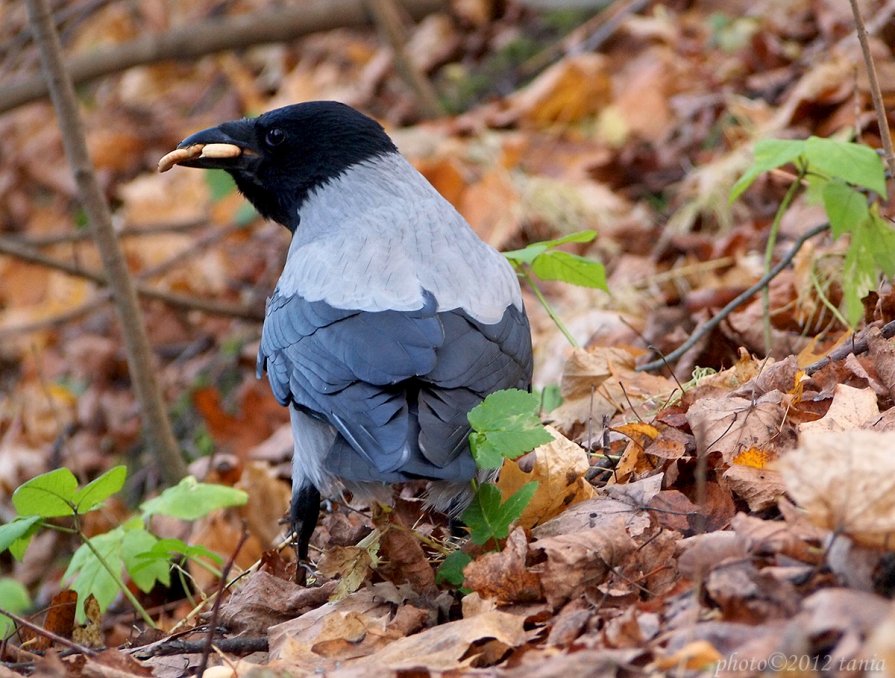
point(304, 513)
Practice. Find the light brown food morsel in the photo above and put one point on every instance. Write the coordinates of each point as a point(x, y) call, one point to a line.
point(179, 155)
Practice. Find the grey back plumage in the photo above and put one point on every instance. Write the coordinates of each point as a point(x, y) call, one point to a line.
point(390, 321)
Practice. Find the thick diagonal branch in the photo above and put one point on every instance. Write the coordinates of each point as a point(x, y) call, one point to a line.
point(214, 35)
point(156, 425)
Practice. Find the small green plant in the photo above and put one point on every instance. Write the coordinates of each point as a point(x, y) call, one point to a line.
point(99, 563)
point(14, 598)
point(546, 261)
point(837, 175)
point(506, 424)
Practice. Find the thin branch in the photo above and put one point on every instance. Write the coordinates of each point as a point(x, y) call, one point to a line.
point(875, 93)
point(738, 301)
point(185, 302)
point(207, 37)
point(157, 426)
point(216, 608)
point(56, 638)
point(857, 346)
point(240, 645)
point(597, 30)
point(387, 17)
point(64, 238)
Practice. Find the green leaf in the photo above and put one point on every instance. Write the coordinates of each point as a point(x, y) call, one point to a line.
point(488, 518)
point(505, 424)
point(528, 254)
point(14, 598)
point(22, 528)
point(219, 183)
point(49, 495)
point(99, 489)
point(577, 236)
point(144, 573)
point(190, 499)
point(570, 268)
point(168, 548)
point(451, 569)
point(855, 163)
point(846, 208)
point(882, 236)
point(89, 576)
point(551, 397)
point(769, 154)
point(870, 253)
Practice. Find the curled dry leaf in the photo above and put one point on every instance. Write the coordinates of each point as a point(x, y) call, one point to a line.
point(265, 600)
point(352, 627)
point(452, 646)
point(559, 468)
point(403, 557)
point(601, 381)
point(851, 408)
point(351, 564)
point(745, 594)
point(760, 487)
point(730, 425)
point(845, 481)
point(504, 576)
point(576, 563)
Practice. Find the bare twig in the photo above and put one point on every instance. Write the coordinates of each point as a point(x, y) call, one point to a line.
point(51, 239)
point(39, 630)
point(857, 346)
point(387, 16)
point(25, 253)
point(597, 31)
point(240, 645)
point(734, 304)
point(157, 426)
point(875, 93)
point(216, 608)
point(208, 37)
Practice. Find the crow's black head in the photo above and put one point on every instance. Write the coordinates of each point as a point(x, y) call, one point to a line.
point(278, 158)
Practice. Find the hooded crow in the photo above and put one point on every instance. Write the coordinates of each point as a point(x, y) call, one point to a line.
point(391, 319)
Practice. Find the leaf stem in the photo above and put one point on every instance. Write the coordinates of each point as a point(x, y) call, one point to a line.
point(132, 599)
point(769, 256)
point(547, 306)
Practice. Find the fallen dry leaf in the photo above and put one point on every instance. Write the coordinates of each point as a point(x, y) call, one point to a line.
point(730, 425)
point(404, 560)
point(759, 487)
point(577, 563)
point(851, 408)
point(451, 646)
point(265, 600)
point(845, 481)
point(505, 576)
point(598, 382)
point(558, 468)
point(334, 632)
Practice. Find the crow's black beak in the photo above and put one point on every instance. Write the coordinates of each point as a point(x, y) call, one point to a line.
point(230, 146)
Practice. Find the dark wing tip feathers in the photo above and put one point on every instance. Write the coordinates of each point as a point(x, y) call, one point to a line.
point(363, 371)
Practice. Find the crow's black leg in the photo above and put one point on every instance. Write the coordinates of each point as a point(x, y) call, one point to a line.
point(304, 513)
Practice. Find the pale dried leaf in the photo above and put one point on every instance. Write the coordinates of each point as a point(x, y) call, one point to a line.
point(559, 468)
point(845, 481)
point(851, 408)
point(730, 425)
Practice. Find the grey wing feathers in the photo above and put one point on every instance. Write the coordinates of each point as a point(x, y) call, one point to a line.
point(396, 385)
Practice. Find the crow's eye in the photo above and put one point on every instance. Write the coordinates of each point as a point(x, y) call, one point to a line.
point(275, 137)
